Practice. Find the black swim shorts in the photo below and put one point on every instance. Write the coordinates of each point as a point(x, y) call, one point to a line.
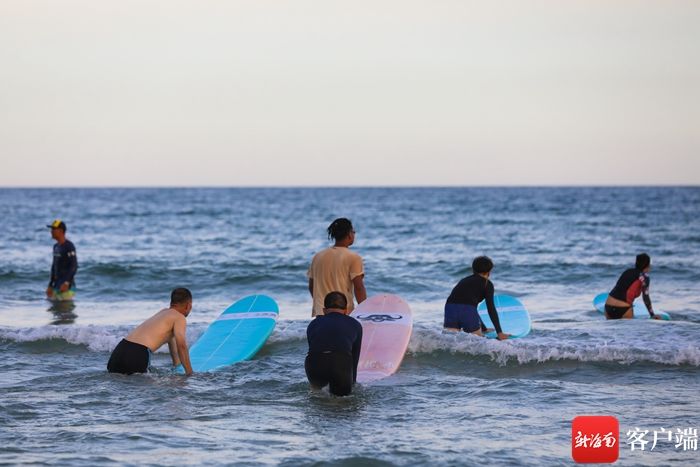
point(129, 357)
point(330, 368)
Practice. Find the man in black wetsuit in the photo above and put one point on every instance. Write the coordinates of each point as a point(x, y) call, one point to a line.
point(335, 340)
point(65, 264)
point(460, 309)
point(632, 283)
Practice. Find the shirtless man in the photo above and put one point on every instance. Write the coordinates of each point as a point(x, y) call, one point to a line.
point(132, 354)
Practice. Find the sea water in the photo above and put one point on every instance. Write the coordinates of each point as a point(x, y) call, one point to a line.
point(456, 400)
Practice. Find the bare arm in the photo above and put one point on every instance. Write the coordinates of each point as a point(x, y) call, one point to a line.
point(360, 291)
point(181, 345)
point(172, 347)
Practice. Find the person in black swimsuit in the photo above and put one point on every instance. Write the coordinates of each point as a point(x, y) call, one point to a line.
point(632, 283)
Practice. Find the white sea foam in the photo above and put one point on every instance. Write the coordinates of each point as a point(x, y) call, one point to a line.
point(585, 345)
point(287, 331)
point(560, 345)
point(96, 338)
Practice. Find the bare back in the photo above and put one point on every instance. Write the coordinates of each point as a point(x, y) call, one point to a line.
point(158, 329)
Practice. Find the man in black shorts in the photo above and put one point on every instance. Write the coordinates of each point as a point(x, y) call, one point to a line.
point(335, 340)
point(132, 354)
point(632, 283)
point(460, 309)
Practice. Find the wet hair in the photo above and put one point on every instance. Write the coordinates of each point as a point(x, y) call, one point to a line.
point(335, 300)
point(643, 260)
point(339, 229)
point(482, 264)
point(180, 296)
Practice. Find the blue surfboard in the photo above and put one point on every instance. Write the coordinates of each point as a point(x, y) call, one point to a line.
point(512, 314)
point(639, 312)
point(236, 335)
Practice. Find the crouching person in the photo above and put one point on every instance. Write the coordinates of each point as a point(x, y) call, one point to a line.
point(132, 354)
point(335, 340)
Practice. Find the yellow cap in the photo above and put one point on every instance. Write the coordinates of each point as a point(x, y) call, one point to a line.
point(57, 224)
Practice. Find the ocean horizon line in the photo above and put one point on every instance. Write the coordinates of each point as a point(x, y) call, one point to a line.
point(332, 187)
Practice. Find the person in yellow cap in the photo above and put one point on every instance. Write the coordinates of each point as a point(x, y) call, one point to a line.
point(65, 264)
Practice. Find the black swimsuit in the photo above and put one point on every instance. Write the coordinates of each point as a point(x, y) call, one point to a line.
point(631, 284)
point(129, 357)
point(615, 312)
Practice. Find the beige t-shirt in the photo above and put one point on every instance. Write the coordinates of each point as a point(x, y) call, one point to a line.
point(333, 270)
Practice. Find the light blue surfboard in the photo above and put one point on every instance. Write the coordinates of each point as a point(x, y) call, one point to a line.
point(640, 312)
point(236, 335)
point(512, 314)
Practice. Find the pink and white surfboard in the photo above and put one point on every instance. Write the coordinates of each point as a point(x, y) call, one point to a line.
point(387, 322)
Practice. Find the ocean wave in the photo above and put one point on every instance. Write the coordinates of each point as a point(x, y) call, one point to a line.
point(95, 338)
point(540, 347)
point(103, 338)
point(549, 346)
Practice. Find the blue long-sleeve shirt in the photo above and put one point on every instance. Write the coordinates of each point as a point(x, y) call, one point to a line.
point(336, 332)
point(64, 266)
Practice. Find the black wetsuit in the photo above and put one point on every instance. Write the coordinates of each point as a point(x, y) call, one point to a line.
point(631, 284)
point(64, 266)
point(460, 309)
point(334, 352)
point(129, 357)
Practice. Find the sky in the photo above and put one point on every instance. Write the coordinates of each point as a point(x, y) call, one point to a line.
point(362, 93)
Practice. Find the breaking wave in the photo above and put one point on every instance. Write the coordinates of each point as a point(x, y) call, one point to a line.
point(539, 347)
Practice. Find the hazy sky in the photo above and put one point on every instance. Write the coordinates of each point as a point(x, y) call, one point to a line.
point(260, 92)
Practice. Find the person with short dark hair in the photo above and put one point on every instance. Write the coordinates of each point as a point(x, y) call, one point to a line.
point(334, 340)
point(337, 268)
point(64, 266)
point(460, 308)
point(631, 284)
point(132, 354)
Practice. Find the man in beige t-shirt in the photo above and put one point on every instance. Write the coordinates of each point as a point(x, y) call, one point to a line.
point(337, 269)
